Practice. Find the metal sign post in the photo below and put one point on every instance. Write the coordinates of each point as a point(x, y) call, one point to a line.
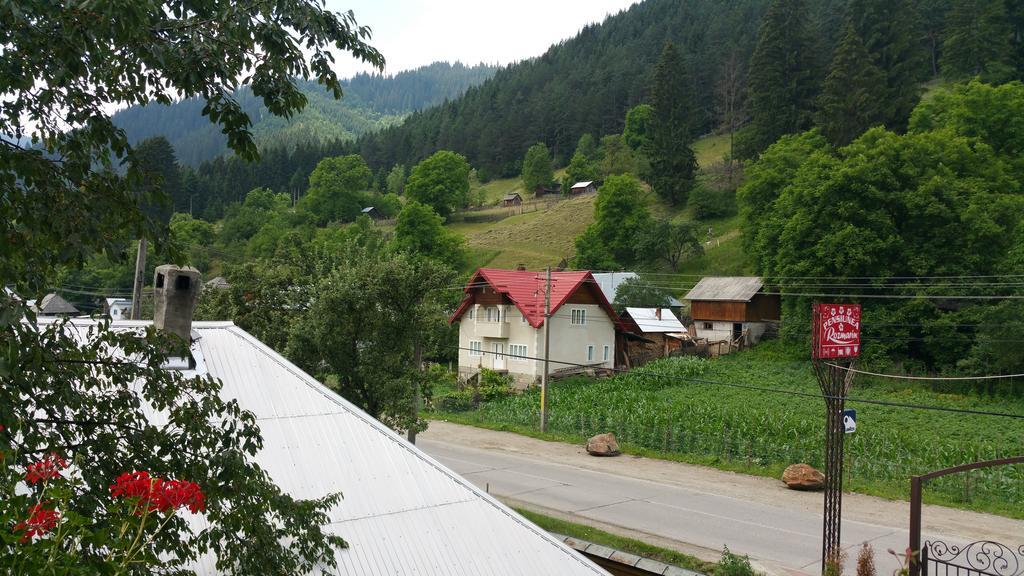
point(836, 337)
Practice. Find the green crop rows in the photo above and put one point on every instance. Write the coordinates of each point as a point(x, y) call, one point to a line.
point(673, 408)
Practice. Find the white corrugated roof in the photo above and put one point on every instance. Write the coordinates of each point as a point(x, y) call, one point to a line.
point(610, 282)
point(648, 321)
point(403, 512)
point(725, 288)
point(582, 184)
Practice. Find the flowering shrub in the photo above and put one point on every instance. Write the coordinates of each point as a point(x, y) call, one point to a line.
point(156, 494)
point(40, 521)
point(40, 532)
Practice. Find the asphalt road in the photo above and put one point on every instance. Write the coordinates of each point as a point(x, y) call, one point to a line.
point(698, 509)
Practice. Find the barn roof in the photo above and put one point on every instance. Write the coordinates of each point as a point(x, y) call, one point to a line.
point(610, 282)
point(583, 184)
point(648, 322)
point(526, 290)
point(403, 512)
point(512, 196)
point(726, 288)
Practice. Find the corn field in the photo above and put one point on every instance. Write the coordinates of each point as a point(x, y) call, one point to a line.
point(673, 408)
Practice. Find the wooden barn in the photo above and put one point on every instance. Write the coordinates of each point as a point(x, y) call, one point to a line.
point(656, 333)
point(553, 188)
point(732, 308)
point(583, 188)
point(512, 200)
point(373, 212)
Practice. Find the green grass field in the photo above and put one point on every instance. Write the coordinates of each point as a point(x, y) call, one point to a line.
point(680, 409)
point(711, 149)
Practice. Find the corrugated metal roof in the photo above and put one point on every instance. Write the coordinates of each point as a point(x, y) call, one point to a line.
point(726, 288)
point(648, 322)
point(403, 512)
point(610, 282)
point(526, 290)
point(582, 184)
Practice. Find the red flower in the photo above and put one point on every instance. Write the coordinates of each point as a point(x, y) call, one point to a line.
point(156, 494)
point(40, 521)
point(46, 469)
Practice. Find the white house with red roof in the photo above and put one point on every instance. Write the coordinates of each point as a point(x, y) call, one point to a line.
point(501, 323)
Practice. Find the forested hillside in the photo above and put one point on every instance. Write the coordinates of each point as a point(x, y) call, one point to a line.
point(586, 85)
point(370, 102)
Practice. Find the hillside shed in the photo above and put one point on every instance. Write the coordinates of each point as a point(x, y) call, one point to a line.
point(372, 212)
point(403, 512)
point(513, 199)
point(583, 188)
point(727, 307)
point(553, 188)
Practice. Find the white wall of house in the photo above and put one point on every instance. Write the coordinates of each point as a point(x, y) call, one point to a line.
point(581, 343)
point(715, 330)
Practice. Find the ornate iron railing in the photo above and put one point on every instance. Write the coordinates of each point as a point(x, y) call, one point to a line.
point(984, 557)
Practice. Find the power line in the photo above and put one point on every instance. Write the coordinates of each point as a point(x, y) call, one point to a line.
point(930, 378)
point(752, 387)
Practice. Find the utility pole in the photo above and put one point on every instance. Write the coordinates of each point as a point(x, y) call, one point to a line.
point(547, 351)
point(140, 271)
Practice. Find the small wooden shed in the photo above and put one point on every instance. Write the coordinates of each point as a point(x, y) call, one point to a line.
point(513, 199)
point(583, 188)
point(553, 188)
point(732, 307)
point(372, 212)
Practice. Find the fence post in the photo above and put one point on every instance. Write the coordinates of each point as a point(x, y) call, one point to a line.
point(915, 527)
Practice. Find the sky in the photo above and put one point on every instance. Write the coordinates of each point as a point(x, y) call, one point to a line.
point(413, 33)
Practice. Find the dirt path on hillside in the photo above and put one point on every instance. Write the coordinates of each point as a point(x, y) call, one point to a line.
point(937, 520)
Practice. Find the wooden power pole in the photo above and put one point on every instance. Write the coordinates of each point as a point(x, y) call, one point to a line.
point(547, 355)
point(417, 360)
point(140, 271)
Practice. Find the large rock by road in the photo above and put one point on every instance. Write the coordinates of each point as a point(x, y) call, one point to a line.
point(803, 477)
point(603, 445)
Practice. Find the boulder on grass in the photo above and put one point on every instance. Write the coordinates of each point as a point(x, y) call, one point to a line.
point(803, 477)
point(603, 445)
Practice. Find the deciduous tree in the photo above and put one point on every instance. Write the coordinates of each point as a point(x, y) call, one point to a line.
point(537, 170)
point(337, 188)
point(64, 202)
point(441, 182)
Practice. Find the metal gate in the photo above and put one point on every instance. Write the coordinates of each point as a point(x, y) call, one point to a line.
point(983, 558)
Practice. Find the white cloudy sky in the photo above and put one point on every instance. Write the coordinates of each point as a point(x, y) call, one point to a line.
point(412, 33)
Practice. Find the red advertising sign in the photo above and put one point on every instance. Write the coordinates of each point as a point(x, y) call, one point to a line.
point(836, 330)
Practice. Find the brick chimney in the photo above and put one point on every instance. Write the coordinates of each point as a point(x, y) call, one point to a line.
point(175, 292)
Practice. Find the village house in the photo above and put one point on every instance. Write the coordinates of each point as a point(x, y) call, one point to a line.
point(501, 323)
point(659, 331)
point(403, 511)
point(582, 188)
point(732, 308)
point(118, 308)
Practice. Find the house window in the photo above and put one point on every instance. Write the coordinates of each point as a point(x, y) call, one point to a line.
point(522, 318)
point(709, 326)
point(590, 353)
point(494, 315)
point(579, 316)
point(517, 351)
point(475, 348)
point(606, 353)
point(472, 312)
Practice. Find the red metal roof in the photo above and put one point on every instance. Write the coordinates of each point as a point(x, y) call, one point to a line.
point(526, 290)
